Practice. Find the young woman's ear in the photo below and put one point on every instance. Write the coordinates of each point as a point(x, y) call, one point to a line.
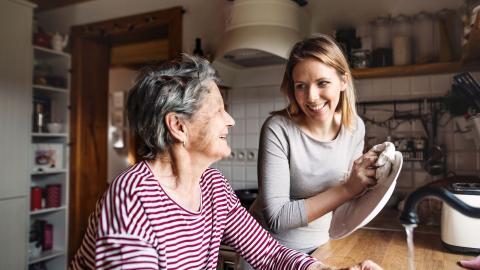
point(176, 126)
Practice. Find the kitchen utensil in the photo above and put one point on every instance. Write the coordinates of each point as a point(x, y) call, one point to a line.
point(435, 164)
point(457, 229)
point(465, 85)
point(358, 212)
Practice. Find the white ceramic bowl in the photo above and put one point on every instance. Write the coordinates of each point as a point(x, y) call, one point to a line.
point(54, 127)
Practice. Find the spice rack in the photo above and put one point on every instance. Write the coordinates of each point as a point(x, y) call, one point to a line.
point(49, 176)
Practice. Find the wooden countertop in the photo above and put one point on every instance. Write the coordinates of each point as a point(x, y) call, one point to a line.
point(389, 249)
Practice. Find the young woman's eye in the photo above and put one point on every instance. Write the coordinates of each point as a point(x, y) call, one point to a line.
point(322, 83)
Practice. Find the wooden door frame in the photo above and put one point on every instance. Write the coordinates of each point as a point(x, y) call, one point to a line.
point(89, 105)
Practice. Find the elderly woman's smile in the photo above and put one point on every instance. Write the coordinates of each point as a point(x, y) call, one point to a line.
point(209, 130)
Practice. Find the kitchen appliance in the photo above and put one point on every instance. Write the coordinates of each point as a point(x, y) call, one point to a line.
point(460, 233)
point(260, 32)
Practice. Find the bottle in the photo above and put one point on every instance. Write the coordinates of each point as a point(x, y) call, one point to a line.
point(198, 47)
point(39, 118)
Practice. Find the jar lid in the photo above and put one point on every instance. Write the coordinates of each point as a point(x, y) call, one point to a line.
point(381, 20)
point(422, 15)
point(401, 18)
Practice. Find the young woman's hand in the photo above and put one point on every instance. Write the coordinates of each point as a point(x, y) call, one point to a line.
point(362, 174)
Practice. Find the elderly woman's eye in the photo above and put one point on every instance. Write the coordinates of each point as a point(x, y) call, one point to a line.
point(299, 86)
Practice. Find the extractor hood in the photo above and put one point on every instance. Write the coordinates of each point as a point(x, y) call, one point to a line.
point(259, 33)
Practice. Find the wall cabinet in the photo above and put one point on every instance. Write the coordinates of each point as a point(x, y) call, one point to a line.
point(49, 172)
point(15, 120)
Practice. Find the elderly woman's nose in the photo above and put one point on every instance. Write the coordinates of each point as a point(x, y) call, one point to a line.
point(229, 119)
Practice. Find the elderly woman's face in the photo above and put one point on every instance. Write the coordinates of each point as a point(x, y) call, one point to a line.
point(209, 127)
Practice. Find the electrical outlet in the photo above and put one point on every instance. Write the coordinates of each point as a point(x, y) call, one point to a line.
point(252, 154)
point(241, 154)
point(232, 155)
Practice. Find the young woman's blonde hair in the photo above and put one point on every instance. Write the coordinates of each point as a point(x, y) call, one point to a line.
point(325, 50)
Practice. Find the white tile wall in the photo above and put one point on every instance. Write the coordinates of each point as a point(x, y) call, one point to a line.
point(251, 105)
point(401, 86)
point(420, 86)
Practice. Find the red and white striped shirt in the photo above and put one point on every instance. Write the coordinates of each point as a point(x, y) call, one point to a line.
point(136, 225)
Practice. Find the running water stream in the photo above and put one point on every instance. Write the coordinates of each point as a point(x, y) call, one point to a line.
point(411, 254)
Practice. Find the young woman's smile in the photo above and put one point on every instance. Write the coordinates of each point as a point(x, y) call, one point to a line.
point(317, 90)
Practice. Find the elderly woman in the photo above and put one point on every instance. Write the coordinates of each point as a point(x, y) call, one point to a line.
point(170, 211)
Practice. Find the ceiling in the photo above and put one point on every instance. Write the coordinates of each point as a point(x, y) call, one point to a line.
point(43, 5)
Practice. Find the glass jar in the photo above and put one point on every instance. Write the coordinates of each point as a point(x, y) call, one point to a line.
point(360, 59)
point(401, 43)
point(402, 25)
point(451, 22)
point(423, 36)
point(381, 33)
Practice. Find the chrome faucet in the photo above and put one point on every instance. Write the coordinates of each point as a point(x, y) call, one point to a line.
point(409, 214)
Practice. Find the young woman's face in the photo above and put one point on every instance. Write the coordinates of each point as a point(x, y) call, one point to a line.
point(317, 89)
point(209, 127)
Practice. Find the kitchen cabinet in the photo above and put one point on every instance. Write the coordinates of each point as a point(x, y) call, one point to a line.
point(15, 101)
point(13, 236)
point(15, 120)
point(49, 172)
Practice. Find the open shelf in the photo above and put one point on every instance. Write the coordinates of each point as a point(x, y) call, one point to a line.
point(43, 51)
point(47, 210)
point(47, 255)
point(50, 88)
point(421, 69)
point(36, 134)
point(50, 172)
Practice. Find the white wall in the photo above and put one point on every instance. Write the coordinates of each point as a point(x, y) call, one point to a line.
point(250, 104)
point(202, 19)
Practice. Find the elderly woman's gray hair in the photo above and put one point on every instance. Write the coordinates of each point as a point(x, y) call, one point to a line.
point(176, 86)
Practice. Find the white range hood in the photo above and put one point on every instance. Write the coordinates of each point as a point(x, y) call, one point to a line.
point(260, 33)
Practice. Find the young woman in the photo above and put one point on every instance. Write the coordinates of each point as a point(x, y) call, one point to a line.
point(310, 156)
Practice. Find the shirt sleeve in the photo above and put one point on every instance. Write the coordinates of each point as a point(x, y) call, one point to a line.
point(280, 212)
point(255, 244)
point(124, 235)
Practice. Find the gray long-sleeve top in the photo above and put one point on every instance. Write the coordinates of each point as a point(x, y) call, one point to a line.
point(292, 167)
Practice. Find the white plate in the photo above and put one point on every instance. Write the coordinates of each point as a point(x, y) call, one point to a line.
point(356, 213)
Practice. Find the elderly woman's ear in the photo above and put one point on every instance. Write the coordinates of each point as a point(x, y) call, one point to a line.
point(176, 126)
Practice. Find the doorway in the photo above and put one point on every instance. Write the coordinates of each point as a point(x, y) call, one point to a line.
point(128, 41)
